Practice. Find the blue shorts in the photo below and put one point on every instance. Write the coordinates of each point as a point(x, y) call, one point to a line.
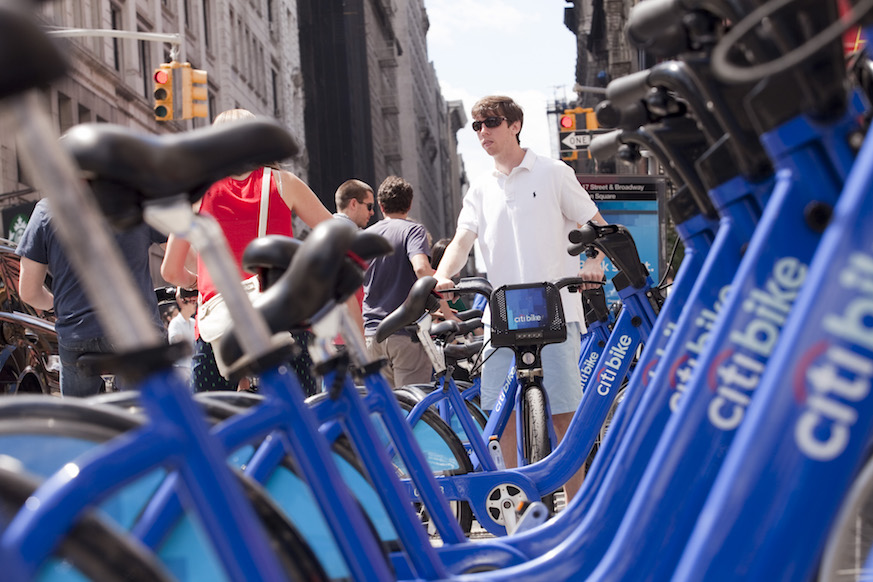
point(561, 377)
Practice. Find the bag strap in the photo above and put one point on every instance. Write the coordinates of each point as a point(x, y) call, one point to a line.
point(265, 203)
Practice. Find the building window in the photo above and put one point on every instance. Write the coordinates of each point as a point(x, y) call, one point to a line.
point(186, 6)
point(274, 81)
point(206, 22)
point(84, 114)
point(65, 113)
point(115, 21)
point(144, 66)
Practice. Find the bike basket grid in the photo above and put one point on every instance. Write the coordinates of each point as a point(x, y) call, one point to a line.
point(527, 314)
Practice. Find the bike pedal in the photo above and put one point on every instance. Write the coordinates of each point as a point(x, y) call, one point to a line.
point(533, 513)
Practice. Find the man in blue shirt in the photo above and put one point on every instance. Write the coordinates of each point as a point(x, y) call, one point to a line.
point(78, 330)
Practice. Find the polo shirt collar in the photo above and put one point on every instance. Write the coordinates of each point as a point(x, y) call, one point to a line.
point(527, 162)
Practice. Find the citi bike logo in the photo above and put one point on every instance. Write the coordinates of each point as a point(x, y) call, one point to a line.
point(587, 367)
point(528, 317)
point(832, 375)
point(608, 374)
point(683, 367)
point(737, 370)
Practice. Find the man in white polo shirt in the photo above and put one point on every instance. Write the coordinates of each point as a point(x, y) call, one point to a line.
point(521, 213)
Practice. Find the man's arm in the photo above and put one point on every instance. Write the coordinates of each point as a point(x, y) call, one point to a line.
point(422, 268)
point(592, 268)
point(454, 258)
point(31, 285)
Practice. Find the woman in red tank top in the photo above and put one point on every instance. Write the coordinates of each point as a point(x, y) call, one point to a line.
point(235, 204)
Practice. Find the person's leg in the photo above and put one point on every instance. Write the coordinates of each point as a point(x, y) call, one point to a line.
point(377, 351)
point(408, 360)
point(204, 370)
point(302, 364)
point(75, 381)
point(494, 370)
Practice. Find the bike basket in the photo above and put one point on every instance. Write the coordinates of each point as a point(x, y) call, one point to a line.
point(525, 315)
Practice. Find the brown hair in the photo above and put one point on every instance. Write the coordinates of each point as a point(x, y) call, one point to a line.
point(395, 195)
point(351, 190)
point(500, 106)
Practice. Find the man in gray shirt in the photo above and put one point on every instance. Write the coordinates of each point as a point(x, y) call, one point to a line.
point(388, 281)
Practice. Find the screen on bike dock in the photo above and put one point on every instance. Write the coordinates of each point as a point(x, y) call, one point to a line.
point(526, 308)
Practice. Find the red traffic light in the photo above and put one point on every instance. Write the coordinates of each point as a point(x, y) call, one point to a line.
point(161, 76)
point(567, 121)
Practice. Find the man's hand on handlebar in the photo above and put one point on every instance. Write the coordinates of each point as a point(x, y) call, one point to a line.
point(592, 270)
point(444, 283)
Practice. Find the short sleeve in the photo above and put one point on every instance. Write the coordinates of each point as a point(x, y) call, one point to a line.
point(576, 204)
point(34, 242)
point(416, 241)
point(468, 219)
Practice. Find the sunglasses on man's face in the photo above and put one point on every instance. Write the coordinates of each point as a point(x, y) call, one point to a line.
point(370, 206)
point(489, 122)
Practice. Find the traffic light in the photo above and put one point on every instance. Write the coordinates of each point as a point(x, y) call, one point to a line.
point(591, 119)
point(567, 121)
point(194, 92)
point(164, 110)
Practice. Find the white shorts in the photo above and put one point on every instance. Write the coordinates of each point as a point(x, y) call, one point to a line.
point(561, 377)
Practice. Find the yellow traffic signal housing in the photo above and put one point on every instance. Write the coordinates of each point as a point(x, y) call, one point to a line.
point(567, 121)
point(591, 119)
point(195, 94)
point(164, 109)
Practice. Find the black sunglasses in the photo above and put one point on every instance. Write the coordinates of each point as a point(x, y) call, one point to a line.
point(489, 122)
point(369, 206)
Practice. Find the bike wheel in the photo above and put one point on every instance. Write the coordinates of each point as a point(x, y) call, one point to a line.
point(92, 549)
point(851, 536)
point(537, 445)
point(45, 433)
point(420, 391)
point(444, 452)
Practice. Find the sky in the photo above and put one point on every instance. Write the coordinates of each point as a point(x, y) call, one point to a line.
point(518, 48)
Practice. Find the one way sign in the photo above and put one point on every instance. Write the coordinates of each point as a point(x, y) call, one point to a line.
point(577, 140)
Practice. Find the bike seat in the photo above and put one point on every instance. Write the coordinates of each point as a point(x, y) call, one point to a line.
point(421, 299)
point(269, 256)
point(320, 271)
point(127, 168)
point(28, 57)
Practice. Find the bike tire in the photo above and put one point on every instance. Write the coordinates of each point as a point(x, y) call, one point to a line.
point(537, 445)
point(93, 548)
point(68, 427)
point(851, 537)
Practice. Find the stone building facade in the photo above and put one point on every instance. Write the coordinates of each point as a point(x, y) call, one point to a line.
point(329, 71)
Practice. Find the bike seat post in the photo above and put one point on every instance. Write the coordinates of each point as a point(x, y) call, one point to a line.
point(87, 241)
point(436, 355)
point(205, 235)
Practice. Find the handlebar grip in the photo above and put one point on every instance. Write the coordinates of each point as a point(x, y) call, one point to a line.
point(655, 25)
point(469, 326)
point(629, 89)
point(605, 145)
point(469, 314)
point(576, 249)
